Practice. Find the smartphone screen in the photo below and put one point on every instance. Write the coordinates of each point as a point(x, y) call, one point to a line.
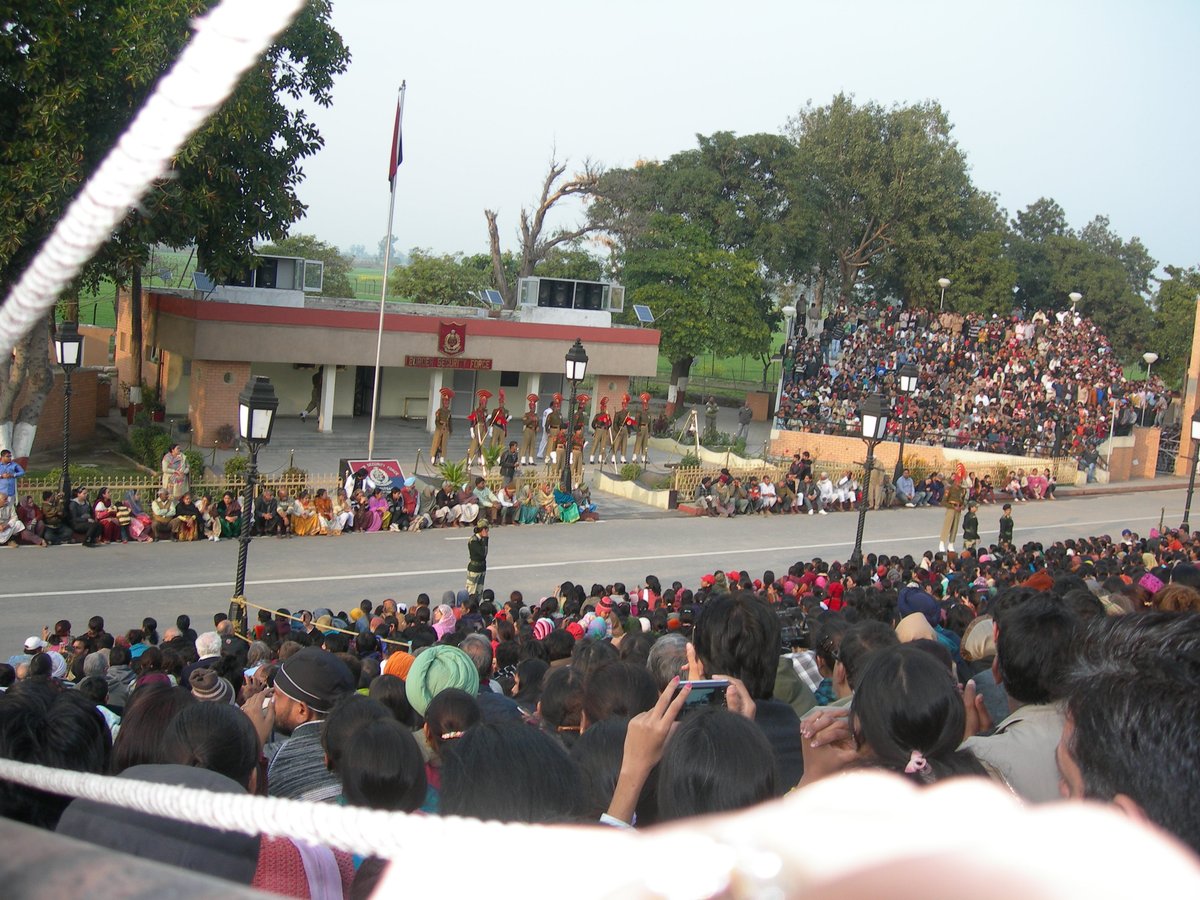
point(704, 694)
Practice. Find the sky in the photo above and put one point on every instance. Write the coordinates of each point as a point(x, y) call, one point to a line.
point(1090, 103)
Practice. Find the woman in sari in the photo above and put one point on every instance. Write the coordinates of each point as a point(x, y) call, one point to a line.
point(305, 521)
point(376, 507)
point(568, 509)
point(362, 514)
point(31, 517)
point(107, 517)
point(175, 472)
point(188, 518)
point(11, 527)
point(343, 513)
point(209, 523)
point(162, 514)
point(324, 507)
point(140, 525)
point(543, 497)
point(229, 517)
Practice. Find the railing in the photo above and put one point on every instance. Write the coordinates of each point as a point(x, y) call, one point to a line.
point(1169, 440)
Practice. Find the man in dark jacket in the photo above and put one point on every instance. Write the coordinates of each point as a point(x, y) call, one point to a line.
point(477, 550)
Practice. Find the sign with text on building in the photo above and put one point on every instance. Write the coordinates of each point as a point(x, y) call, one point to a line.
point(452, 338)
point(445, 362)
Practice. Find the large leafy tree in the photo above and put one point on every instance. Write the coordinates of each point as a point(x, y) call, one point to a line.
point(71, 78)
point(441, 279)
point(1174, 319)
point(337, 264)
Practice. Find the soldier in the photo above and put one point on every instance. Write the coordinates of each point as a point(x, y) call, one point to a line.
point(578, 439)
point(623, 421)
point(499, 423)
point(553, 426)
point(953, 501)
point(601, 432)
point(443, 427)
point(479, 423)
point(529, 432)
point(970, 527)
point(642, 423)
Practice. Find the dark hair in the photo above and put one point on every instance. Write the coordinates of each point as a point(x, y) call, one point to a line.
point(559, 644)
point(620, 690)
point(61, 729)
point(509, 772)
point(1131, 716)
point(715, 761)
point(390, 691)
point(382, 768)
point(1033, 649)
point(144, 723)
point(94, 688)
point(636, 648)
point(562, 702)
point(150, 628)
point(339, 730)
point(740, 636)
point(451, 712)
point(214, 736)
point(906, 701)
point(859, 642)
point(598, 753)
point(531, 673)
point(118, 656)
point(591, 654)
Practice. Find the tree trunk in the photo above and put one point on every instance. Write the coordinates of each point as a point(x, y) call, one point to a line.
point(498, 277)
point(28, 368)
point(135, 323)
point(676, 393)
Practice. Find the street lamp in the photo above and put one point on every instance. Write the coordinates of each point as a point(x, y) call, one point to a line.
point(257, 405)
point(909, 377)
point(1187, 506)
point(943, 283)
point(1151, 358)
point(789, 316)
point(874, 426)
point(68, 344)
point(1074, 297)
point(577, 360)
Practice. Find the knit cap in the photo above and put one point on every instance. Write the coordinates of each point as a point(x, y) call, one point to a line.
point(208, 685)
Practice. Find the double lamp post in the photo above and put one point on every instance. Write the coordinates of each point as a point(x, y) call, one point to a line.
point(257, 405)
point(577, 360)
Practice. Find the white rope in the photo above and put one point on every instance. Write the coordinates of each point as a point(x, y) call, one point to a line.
point(228, 40)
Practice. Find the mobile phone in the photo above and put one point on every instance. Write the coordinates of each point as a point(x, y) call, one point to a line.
point(704, 694)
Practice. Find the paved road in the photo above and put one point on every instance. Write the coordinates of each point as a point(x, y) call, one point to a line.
point(125, 582)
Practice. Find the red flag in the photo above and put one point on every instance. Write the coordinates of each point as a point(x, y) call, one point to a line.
point(397, 155)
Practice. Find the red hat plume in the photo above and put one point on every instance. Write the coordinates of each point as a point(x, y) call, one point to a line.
point(556, 399)
point(533, 399)
point(624, 399)
point(483, 395)
point(583, 399)
point(446, 393)
point(645, 398)
point(603, 402)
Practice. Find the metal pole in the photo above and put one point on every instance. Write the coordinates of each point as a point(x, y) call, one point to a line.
point(942, 303)
point(239, 581)
point(66, 469)
point(1187, 506)
point(856, 556)
point(569, 450)
point(899, 470)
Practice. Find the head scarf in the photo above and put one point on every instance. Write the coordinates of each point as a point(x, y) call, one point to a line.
point(133, 503)
point(915, 627)
point(446, 623)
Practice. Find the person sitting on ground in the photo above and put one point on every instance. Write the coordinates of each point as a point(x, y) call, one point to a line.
point(83, 518)
point(229, 516)
point(305, 521)
point(446, 510)
point(906, 491)
point(186, 524)
point(703, 496)
point(55, 517)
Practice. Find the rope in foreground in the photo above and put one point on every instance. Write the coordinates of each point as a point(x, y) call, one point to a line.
point(887, 827)
point(407, 645)
point(228, 40)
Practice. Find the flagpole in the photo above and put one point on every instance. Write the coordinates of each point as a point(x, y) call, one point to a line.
point(387, 260)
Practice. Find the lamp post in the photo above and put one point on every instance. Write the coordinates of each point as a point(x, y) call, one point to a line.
point(1151, 358)
point(909, 377)
point(943, 283)
point(67, 346)
point(576, 368)
point(1074, 297)
point(257, 405)
point(789, 316)
point(1187, 505)
point(874, 426)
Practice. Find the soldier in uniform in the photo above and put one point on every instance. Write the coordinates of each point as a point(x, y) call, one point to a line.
point(443, 427)
point(623, 421)
point(578, 438)
point(479, 423)
point(601, 432)
point(953, 501)
point(643, 430)
point(499, 423)
point(529, 432)
point(554, 423)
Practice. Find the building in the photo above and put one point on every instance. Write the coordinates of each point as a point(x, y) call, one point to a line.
point(203, 345)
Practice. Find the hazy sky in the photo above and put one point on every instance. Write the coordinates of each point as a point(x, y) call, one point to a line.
point(1091, 103)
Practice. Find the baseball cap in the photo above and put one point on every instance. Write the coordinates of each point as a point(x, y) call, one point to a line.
point(34, 643)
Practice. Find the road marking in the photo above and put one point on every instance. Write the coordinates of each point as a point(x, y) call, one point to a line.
point(369, 576)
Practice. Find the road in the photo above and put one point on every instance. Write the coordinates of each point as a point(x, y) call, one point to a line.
point(123, 583)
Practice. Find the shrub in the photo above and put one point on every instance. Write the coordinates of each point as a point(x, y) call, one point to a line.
point(630, 471)
point(454, 472)
point(195, 461)
point(491, 456)
point(235, 467)
point(148, 443)
point(226, 435)
point(690, 461)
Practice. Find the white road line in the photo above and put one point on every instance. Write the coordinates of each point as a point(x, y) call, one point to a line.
point(550, 564)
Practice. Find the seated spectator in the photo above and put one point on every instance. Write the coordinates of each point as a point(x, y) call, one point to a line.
point(907, 493)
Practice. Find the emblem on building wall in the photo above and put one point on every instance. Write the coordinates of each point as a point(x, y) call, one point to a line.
point(452, 338)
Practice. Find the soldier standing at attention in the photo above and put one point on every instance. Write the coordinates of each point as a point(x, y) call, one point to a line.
point(443, 427)
point(623, 421)
point(479, 423)
point(953, 501)
point(553, 425)
point(577, 436)
point(601, 432)
point(970, 526)
point(499, 422)
point(1006, 525)
point(529, 432)
point(477, 551)
point(643, 430)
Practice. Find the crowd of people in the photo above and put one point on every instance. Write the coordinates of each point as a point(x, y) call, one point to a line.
point(1068, 670)
point(1044, 386)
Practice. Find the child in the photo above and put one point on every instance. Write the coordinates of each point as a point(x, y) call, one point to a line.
point(1006, 525)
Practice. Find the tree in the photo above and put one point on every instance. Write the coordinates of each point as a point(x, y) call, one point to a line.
point(1139, 265)
point(1041, 220)
point(1174, 319)
point(337, 266)
point(383, 247)
point(73, 76)
point(536, 246)
point(882, 181)
point(443, 280)
point(570, 262)
point(704, 298)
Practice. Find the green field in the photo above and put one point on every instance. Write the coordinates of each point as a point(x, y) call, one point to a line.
point(165, 268)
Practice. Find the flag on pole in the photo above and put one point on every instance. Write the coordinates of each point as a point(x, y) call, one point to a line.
point(397, 155)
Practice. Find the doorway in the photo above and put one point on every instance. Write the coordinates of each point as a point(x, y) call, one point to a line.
point(364, 387)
